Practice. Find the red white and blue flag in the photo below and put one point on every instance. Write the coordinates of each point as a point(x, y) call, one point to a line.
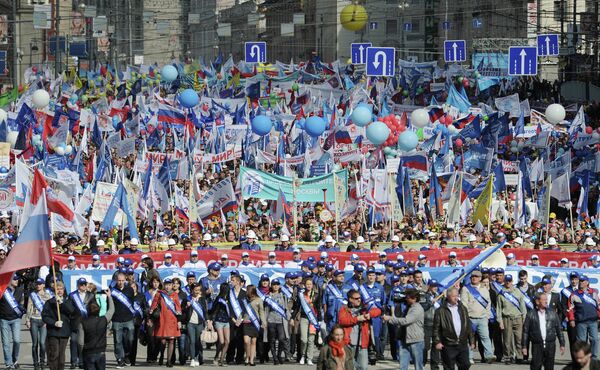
point(170, 114)
point(417, 161)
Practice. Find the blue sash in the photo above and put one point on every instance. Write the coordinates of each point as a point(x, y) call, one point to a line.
point(148, 297)
point(224, 302)
point(79, 303)
point(10, 298)
point(285, 290)
point(589, 299)
point(509, 297)
point(527, 300)
point(364, 294)
point(50, 292)
point(308, 311)
point(37, 301)
point(123, 299)
point(186, 290)
point(169, 302)
point(272, 303)
point(138, 309)
point(566, 292)
point(237, 309)
point(251, 314)
point(196, 306)
point(477, 295)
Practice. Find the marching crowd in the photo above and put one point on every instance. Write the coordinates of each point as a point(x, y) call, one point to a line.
point(316, 314)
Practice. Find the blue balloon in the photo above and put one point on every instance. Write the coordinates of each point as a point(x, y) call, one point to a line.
point(315, 126)
point(361, 116)
point(189, 98)
point(169, 73)
point(408, 141)
point(377, 132)
point(3, 169)
point(261, 125)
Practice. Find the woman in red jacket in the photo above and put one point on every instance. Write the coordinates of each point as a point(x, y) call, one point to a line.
point(355, 318)
point(169, 325)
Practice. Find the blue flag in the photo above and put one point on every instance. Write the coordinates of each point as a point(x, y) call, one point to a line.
point(120, 201)
point(499, 182)
point(472, 266)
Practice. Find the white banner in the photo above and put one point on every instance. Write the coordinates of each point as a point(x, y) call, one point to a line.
point(102, 199)
point(216, 199)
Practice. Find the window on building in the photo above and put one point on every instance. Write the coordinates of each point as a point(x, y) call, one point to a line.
point(391, 26)
point(558, 9)
point(416, 25)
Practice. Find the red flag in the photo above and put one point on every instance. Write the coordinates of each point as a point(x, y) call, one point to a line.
point(54, 205)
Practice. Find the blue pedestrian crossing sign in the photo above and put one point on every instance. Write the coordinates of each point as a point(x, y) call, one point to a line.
point(455, 51)
point(522, 60)
point(381, 61)
point(256, 52)
point(477, 23)
point(547, 45)
point(359, 52)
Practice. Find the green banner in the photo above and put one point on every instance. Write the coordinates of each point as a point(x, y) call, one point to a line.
point(262, 185)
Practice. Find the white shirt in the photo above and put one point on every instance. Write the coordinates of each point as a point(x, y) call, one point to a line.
point(455, 318)
point(293, 265)
point(198, 264)
point(274, 265)
point(243, 266)
point(542, 317)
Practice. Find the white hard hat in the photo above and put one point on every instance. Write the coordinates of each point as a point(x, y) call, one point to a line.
point(134, 241)
point(510, 256)
point(590, 242)
point(452, 254)
point(100, 243)
point(360, 239)
point(395, 238)
point(285, 238)
point(399, 257)
point(251, 235)
point(329, 239)
point(472, 238)
point(518, 240)
point(171, 242)
point(535, 257)
point(168, 255)
point(207, 237)
point(551, 241)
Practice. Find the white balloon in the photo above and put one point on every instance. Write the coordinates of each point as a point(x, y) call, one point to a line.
point(12, 138)
point(419, 118)
point(555, 113)
point(40, 98)
point(68, 149)
point(59, 150)
point(3, 115)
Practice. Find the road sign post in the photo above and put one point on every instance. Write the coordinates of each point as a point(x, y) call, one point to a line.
point(381, 61)
point(255, 52)
point(548, 45)
point(522, 61)
point(455, 51)
point(358, 51)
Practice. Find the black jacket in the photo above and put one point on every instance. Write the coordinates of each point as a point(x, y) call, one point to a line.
point(533, 334)
point(443, 327)
point(50, 317)
point(186, 313)
point(122, 313)
point(6, 311)
point(594, 365)
point(77, 315)
point(554, 304)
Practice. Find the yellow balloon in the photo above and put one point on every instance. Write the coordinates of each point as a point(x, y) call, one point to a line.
point(354, 17)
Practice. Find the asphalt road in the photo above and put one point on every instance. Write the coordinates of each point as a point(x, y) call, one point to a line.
point(25, 359)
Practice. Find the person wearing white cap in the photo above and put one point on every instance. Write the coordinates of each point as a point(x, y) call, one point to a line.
point(329, 245)
point(273, 261)
point(431, 237)
point(194, 261)
point(380, 265)
point(251, 244)
point(168, 261)
point(396, 246)
point(71, 265)
point(564, 262)
point(324, 257)
point(205, 243)
point(517, 242)
point(590, 245)
point(96, 263)
point(422, 261)
point(552, 244)
point(296, 261)
point(535, 260)
point(472, 240)
point(452, 261)
point(360, 245)
point(245, 263)
point(510, 260)
point(284, 244)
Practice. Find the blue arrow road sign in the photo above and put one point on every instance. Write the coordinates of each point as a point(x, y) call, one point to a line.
point(408, 27)
point(381, 61)
point(522, 61)
point(359, 52)
point(477, 23)
point(547, 45)
point(455, 50)
point(256, 52)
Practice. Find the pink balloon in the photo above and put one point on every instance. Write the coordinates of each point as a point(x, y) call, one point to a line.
point(589, 130)
point(459, 143)
point(159, 126)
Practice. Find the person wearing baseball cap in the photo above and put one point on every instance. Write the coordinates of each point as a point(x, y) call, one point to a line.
point(211, 283)
point(71, 265)
point(422, 261)
point(452, 261)
point(553, 297)
point(510, 260)
point(194, 261)
point(190, 279)
point(272, 262)
point(583, 313)
point(245, 262)
point(334, 298)
point(396, 246)
point(96, 263)
point(296, 260)
point(251, 243)
point(535, 260)
point(380, 264)
point(511, 311)
point(354, 260)
point(595, 261)
point(167, 261)
point(565, 295)
point(564, 262)
point(33, 321)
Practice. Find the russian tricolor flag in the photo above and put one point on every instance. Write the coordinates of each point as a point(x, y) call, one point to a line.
point(417, 161)
point(170, 115)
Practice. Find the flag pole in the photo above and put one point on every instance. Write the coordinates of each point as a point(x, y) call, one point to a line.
point(489, 225)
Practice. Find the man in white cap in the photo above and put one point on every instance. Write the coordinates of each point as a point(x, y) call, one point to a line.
point(396, 247)
point(224, 259)
point(517, 242)
point(535, 260)
point(71, 265)
point(251, 244)
point(194, 261)
point(325, 257)
point(511, 260)
point(360, 245)
point(168, 262)
point(452, 261)
point(564, 263)
point(472, 242)
point(422, 261)
point(329, 245)
point(296, 261)
point(590, 245)
point(171, 244)
point(552, 244)
point(284, 245)
point(245, 263)
point(205, 243)
point(96, 263)
point(273, 261)
point(380, 265)
point(595, 261)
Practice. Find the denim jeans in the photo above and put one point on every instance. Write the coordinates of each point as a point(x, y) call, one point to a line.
point(123, 336)
point(585, 330)
point(74, 350)
point(38, 341)
point(193, 333)
point(414, 352)
point(361, 362)
point(182, 345)
point(94, 361)
point(480, 326)
point(11, 340)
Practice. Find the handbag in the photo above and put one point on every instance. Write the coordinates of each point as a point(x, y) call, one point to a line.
point(209, 336)
point(155, 317)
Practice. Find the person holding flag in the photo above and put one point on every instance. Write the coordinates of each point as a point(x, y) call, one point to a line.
point(58, 315)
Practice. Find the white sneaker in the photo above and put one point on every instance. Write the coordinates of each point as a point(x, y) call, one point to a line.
point(310, 363)
point(302, 360)
point(193, 363)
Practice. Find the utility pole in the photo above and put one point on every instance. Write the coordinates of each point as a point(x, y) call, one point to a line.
point(57, 39)
point(15, 68)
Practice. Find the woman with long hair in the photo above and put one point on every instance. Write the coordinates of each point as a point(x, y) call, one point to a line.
point(141, 311)
point(307, 330)
point(335, 355)
point(277, 324)
point(154, 286)
point(220, 317)
point(181, 341)
point(194, 317)
point(37, 328)
point(166, 303)
point(253, 320)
